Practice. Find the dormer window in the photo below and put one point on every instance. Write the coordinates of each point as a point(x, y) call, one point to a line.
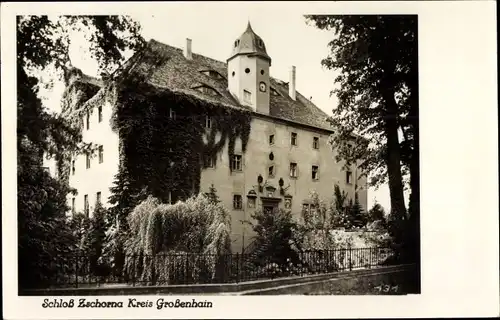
point(236, 43)
point(260, 44)
point(207, 90)
point(213, 74)
point(274, 92)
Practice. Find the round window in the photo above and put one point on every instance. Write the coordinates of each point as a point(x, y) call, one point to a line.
point(233, 73)
point(247, 70)
point(271, 156)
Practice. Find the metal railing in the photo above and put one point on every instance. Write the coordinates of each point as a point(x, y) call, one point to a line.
point(196, 268)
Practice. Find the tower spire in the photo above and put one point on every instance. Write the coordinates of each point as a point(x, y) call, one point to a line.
point(249, 26)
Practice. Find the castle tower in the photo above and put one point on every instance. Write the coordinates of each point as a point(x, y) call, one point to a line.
point(248, 71)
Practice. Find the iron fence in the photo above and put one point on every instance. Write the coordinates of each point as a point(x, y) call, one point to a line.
point(195, 268)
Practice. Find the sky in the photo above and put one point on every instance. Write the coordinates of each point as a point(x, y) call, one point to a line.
point(214, 27)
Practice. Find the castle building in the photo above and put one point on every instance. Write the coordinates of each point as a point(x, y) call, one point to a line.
point(287, 154)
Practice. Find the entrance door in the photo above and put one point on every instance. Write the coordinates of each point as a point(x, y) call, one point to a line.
point(269, 207)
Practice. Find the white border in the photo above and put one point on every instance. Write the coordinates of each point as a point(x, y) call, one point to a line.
point(459, 169)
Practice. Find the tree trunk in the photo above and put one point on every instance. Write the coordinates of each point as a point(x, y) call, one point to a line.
point(393, 161)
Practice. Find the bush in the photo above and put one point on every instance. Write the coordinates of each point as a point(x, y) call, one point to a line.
point(274, 237)
point(159, 231)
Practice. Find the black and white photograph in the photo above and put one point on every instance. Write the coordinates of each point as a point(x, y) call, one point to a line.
point(197, 150)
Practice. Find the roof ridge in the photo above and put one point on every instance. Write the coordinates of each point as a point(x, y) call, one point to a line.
point(300, 110)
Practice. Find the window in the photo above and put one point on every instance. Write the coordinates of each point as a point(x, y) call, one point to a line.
point(88, 120)
point(247, 70)
point(208, 122)
point(316, 143)
point(101, 154)
point(87, 160)
point(213, 74)
point(271, 139)
point(237, 202)
point(348, 177)
point(293, 170)
point(99, 113)
point(73, 169)
point(98, 197)
point(274, 92)
point(271, 171)
point(236, 162)
point(172, 114)
point(247, 95)
point(315, 172)
point(209, 162)
point(86, 204)
point(293, 139)
point(73, 205)
point(207, 90)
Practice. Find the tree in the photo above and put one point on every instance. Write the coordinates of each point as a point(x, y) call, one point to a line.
point(356, 214)
point(338, 210)
point(274, 235)
point(378, 90)
point(96, 237)
point(45, 237)
point(212, 195)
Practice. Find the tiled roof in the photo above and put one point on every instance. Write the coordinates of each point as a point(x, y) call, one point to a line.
point(166, 67)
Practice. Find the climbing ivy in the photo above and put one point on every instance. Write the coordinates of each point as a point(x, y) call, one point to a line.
point(161, 155)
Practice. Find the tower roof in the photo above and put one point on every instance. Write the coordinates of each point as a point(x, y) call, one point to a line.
point(249, 43)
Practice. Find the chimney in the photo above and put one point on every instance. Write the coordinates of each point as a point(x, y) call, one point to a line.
point(187, 49)
point(291, 83)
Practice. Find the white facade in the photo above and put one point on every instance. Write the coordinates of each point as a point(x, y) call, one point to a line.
point(98, 178)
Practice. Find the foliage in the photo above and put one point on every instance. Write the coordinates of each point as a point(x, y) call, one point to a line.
point(376, 213)
point(166, 154)
point(96, 236)
point(274, 236)
point(377, 57)
point(79, 224)
point(356, 214)
point(313, 234)
point(212, 195)
point(377, 60)
point(43, 231)
point(338, 208)
point(194, 226)
point(45, 238)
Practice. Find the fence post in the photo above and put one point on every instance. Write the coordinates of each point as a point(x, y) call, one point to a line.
point(350, 258)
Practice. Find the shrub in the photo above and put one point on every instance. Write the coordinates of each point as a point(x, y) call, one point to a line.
point(162, 231)
point(274, 236)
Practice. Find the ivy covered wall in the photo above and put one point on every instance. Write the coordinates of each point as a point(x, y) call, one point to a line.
point(163, 155)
